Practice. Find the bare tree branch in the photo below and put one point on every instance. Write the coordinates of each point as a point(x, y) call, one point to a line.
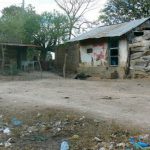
point(75, 10)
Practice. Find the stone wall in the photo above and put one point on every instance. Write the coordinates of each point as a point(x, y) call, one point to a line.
point(140, 55)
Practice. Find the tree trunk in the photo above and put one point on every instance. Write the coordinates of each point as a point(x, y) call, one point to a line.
point(43, 55)
point(70, 32)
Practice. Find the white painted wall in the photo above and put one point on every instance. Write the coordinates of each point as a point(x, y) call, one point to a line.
point(99, 55)
point(123, 52)
point(86, 58)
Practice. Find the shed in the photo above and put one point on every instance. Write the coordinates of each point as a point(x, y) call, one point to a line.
point(105, 50)
point(13, 53)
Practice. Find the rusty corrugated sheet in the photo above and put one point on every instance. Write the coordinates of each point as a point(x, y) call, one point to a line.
point(110, 31)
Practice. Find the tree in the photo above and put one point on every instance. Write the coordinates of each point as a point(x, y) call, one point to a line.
point(25, 26)
point(18, 25)
point(118, 11)
point(31, 24)
point(53, 30)
point(11, 24)
point(75, 10)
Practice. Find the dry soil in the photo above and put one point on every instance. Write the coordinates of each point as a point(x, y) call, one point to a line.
point(126, 101)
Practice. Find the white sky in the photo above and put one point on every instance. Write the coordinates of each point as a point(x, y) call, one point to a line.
point(50, 5)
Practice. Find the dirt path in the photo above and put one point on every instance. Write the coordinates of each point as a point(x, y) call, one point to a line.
point(126, 101)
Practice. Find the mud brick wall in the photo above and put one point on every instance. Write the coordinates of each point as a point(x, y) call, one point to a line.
point(73, 56)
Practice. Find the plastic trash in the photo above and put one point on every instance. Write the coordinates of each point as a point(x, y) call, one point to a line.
point(142, 144)
point(139, 145)
point(16, 122)
point(7, 144)
point(64, 145)
point(7, 131)
point(132, 140)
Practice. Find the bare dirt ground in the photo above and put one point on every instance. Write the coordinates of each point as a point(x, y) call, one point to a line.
point(125, 101)
point(90, 115)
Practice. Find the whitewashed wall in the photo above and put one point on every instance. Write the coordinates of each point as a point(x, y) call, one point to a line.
point(123, 52)
point(100, 54)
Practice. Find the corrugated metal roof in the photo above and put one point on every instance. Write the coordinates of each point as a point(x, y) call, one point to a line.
point(110, 31)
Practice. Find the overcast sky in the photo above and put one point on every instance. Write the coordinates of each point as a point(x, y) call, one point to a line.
point(49, 5)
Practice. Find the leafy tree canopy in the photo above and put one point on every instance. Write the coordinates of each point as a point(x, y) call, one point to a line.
point(18, 25)
point(117, 11)
point(25, 26)
point(53, 30)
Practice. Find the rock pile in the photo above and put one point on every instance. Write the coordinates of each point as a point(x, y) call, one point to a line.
point(140, 55)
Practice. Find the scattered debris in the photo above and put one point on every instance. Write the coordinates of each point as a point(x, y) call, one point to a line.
point(7, 144)
point(16, 122)
point(77, 131)
point(64, 145)
point(32, 129)
point(97, 139)
point(138, 144)
point(121, 145)
point(144, 137)
point(7, 131)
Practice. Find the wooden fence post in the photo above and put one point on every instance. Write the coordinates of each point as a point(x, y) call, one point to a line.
point(64, 66)
point(3, 58)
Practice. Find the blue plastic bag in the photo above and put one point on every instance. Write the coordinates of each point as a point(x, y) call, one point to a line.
point(64, 145)
point(16, 122)
point(142, 144)
point(139, 145)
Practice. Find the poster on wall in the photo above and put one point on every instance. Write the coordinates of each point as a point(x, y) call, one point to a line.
point(94, 55)
point(99, 55)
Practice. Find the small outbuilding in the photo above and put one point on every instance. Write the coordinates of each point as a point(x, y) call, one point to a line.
point(113, 51)
point(13, 54)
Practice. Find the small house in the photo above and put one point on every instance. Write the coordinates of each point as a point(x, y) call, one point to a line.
point(112, 51)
